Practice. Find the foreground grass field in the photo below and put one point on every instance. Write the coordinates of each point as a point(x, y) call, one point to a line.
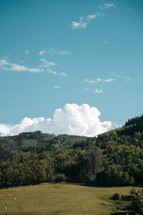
point(59, 199)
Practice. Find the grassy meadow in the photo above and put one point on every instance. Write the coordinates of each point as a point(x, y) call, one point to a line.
point(59, 199)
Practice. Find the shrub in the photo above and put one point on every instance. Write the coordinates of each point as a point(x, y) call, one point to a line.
point(60, 178)
point(116, 196)
point(133, 191)
point(126, 197)
point(137, 203)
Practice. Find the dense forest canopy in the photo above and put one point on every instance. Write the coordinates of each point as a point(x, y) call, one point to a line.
point(112, 158)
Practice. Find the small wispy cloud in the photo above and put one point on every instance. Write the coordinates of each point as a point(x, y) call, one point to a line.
point(97, 80)
point(106, 42)
point(127, 79)
point(57, 87)
point(108, 80)
point(86, 89)
point(8, 66)
point(34, 70)
point(46, 63)
point(109, 5)
point(3, 62)
point(98, 91)
point(51, 71)
point(90, 17)
point(52, 51)
point(83, 21)
point(90, 81)
point(129, 9)
point(62, 74)
point(106, 6)
point(27, 52)
point(44, 67)
point(116, 75)
point(42, 52)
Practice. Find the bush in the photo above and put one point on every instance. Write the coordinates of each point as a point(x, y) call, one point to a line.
point(126, 197)
point(116, 196)
point(60, 178)
point(137, 203)
point(132, 191)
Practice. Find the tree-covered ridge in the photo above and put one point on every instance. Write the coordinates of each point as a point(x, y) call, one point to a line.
point(135, 120)
point(133, 125)
point(30, 141)
point(112, 158)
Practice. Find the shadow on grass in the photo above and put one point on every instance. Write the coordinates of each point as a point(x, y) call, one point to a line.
point(108, 186)
point(123, 213)
point(34, 213)
point(95, 185)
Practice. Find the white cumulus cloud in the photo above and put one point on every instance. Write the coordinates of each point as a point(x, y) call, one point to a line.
point(72, 119)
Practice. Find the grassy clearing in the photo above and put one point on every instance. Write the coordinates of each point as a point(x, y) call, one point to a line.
point(60, 199)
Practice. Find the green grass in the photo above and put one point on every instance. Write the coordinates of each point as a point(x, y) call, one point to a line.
point(60, 199)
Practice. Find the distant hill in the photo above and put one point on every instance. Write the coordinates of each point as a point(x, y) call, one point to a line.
point(133, 125)
point(37, 141)
point(135, 121)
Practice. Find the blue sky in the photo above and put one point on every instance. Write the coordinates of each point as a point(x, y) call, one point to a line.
point(54, 53)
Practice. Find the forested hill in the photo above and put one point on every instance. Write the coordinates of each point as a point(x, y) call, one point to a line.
point(133, 125)
point(37, 141)
point(30, 141)
point(112, 158)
